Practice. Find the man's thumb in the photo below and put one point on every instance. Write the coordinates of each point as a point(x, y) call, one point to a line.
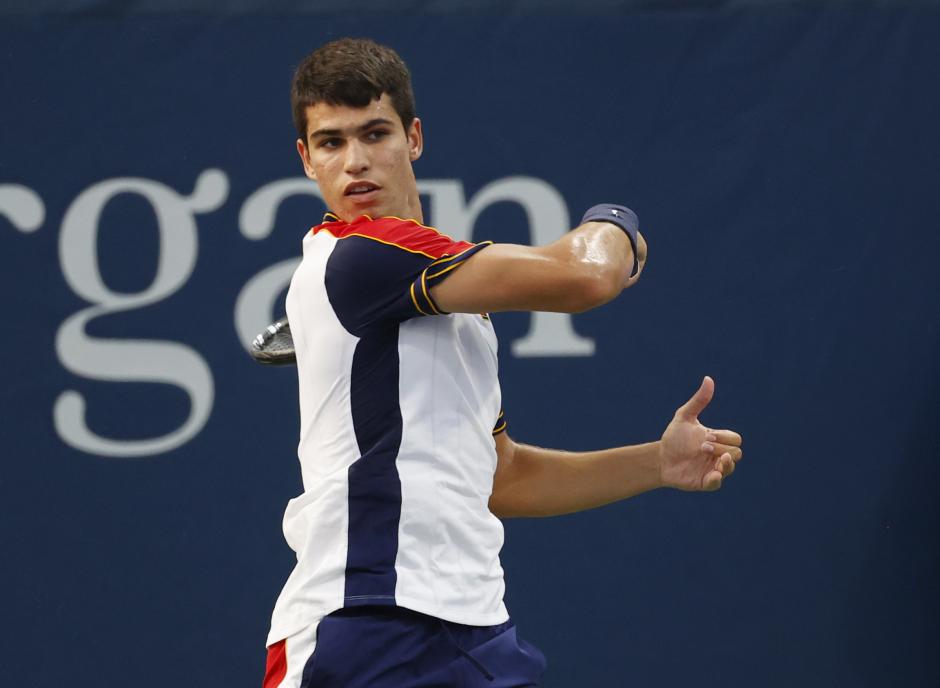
point(694, 406)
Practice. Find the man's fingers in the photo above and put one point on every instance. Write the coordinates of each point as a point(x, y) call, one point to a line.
point(711, 481)
point(726, 465)
point(727, 437)
point(694, 406)
point(718, 449)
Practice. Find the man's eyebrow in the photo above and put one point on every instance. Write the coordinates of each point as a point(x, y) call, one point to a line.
point(321, 133)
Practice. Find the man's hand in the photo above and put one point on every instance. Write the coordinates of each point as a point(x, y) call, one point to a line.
point(693, 457)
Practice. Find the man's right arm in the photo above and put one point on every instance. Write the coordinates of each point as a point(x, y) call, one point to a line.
point(532, 482)
point(584, 269)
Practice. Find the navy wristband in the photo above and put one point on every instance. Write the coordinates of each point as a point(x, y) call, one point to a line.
point(621, 216)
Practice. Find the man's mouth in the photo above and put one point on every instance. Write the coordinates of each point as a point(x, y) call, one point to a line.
point(360, 188)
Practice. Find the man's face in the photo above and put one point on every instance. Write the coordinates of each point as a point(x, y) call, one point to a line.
point(361, 158)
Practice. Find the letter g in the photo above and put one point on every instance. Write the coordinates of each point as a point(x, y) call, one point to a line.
point(132, 360)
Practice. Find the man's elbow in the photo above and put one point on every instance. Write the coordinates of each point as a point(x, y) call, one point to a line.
point(596, 285)
point(509, 505)
point(498, 508)
point(501, 501)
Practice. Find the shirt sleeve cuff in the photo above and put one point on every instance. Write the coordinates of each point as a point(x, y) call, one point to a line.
point(500, 423)
point(437, 272)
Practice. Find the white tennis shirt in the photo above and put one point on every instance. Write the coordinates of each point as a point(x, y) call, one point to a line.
point(399, 403)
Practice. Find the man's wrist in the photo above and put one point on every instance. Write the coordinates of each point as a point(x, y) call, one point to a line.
point(658, 463)
point(622, 217)
point(642, 467)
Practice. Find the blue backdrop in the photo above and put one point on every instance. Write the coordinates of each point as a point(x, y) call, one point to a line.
point(783, 163)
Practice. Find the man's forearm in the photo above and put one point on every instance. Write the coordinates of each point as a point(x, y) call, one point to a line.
point(583, 269)
point(532, 481)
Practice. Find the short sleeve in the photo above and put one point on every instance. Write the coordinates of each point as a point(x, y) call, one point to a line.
point(435, 272)
point(380, 272)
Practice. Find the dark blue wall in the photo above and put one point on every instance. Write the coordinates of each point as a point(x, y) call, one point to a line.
point(785, 167)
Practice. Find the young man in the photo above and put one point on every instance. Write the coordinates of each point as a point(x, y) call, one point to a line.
point(405, 459)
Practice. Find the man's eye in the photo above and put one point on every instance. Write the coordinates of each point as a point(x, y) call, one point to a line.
point(376, 135)
point(331, 143)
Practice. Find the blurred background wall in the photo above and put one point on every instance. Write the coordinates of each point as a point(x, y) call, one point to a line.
point(783, 159)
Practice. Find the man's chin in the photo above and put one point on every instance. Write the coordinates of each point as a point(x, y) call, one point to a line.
point(354, 210)
point(372, 210)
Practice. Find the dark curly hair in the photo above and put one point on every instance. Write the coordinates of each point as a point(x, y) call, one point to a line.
point(353, 72)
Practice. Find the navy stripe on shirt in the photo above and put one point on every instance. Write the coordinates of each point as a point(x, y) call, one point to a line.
point(372, 287)
point(374, 484)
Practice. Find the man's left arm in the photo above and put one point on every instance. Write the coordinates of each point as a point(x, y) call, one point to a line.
point(531, 481)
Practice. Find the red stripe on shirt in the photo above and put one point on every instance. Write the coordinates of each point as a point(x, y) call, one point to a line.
point(276, 668)
point(407, 234)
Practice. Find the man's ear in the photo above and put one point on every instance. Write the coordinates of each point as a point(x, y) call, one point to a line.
point(305, 158)
point(415, 140)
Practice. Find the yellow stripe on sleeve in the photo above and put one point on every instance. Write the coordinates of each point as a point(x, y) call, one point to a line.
point(447, 269)
point(424, 288)
point(415, 300)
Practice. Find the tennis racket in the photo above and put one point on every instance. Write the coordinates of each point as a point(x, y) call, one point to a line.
point(274, 346)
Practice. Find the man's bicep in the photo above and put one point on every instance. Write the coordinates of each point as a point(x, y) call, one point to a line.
point(507, 277)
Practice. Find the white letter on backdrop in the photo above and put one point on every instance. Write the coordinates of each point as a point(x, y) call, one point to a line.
point(132, 360)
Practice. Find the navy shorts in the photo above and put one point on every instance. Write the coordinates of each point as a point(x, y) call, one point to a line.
point(391, 647)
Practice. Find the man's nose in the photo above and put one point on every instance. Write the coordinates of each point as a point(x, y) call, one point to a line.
point(357, 157)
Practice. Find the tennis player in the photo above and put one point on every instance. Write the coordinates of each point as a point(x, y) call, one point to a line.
point(406, 462)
